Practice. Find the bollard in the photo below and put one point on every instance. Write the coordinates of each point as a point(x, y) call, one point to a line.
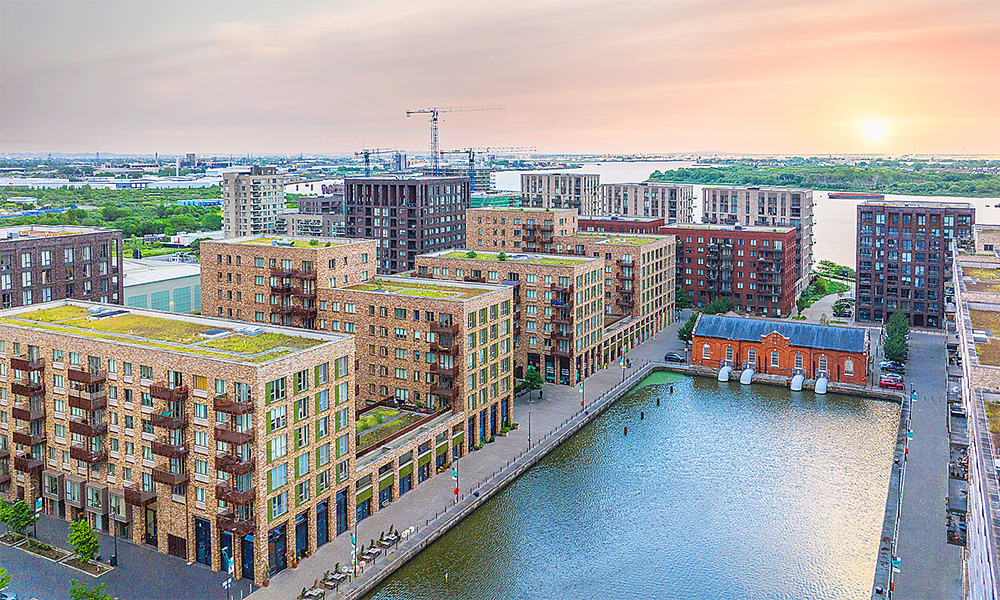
point(642, 415)
point(626, 430)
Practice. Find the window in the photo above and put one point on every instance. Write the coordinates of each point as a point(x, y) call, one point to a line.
point(322, 455)
point(322, 374)
point(301, 381)
point(729, 354)
point(277, 418)
point(277, 477)
point(848, 367)
point(277, 447)
point(774, 358)
point(279, 505)
point(302, 492)
point(822, 362)
point(798, 360)
point(752, 356)
point(706, 351)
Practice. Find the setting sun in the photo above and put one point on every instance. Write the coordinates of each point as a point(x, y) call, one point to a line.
point(873, 129)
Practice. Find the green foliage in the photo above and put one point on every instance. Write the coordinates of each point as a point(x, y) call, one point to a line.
point(801, 303)
point(314, 242)
point(830, 269)
point(17, 516)
point(681, 299)
point(4, 578)
point(687, 330)
point(817, 289)
point(896, 327)
point(824, 320)
point(471, 254)
point(718, 306)
point(502, 256)
point(79, 591)
point(881, 176)
point(532, 381)
point(83, 540)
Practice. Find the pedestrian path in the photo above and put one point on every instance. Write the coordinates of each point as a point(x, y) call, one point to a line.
point(430, 507)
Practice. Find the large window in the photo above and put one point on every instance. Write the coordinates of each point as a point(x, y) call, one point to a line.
point(822, 362)
point(774, 358)
point(848, 367)
point(798, 360)
point(706, 351)
point(752, 356)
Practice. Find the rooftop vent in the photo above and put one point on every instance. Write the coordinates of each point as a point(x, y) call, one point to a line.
point(214, 332)
point(107, 313)
point(250, 330)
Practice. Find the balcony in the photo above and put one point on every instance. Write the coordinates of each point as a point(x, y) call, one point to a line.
point(224, 403)
point(281, 290)
point(561, 352)
point(623, 263)
point(282, 273)
point(224, 493)
point(27, 363)
point(626, 302)
point(171, 394)
point(300, 274)
point(23, 411)
point(26, 438)
point(546, 227)
point(231, 436)
point(307, 294)
point(23, 387)
point(443, 371)
point(84, 454)
point(555, 287)
point(230, 522)
point(88, 401)
point(445, 328)
point(233, 464)
point(4, 453)
point(87, 429)
point(447, 392)
point(472, 279)
point(27, 463)
point(529, 236)
point(87, 377)
point(436, 347)
point(168, 420)
point(167, 449)
point(4, 478)
point(164, 475)
point(562, 319)
point(138, 497)
point(625, 290)
point(562, 335)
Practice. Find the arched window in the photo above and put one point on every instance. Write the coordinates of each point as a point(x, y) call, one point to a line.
point(752, 356)
point(729, 354)
point(848, 367)
point(706, 351)
point(798, 360)
point(822, 362)
point(774, 358)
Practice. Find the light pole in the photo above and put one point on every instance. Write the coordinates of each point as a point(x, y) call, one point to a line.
point(583, 395)
point(623, 367)
point(114, 536)
point(529, 428)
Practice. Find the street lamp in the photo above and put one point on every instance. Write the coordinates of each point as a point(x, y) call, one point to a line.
point(582, 395)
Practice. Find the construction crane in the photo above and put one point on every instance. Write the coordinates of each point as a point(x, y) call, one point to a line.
point(367, 152)
point(434, 111)
point(487, 150)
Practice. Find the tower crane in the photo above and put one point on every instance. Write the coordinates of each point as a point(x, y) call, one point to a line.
point(486, 150)
point(367, 152)
point(434, 111)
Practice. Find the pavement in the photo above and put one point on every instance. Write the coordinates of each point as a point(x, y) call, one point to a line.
point(930, 567)
point(142, 573)
point(825, 306)
point(422, 507)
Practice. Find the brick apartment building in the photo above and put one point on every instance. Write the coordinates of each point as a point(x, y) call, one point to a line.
point(616, 224)
point(251, 200)
point(766, 207)
point(500, 228)
point(904, 260)
point(406, 216)
point(674, 202)
point(578, 191)
point(276, 280)
point(557, 306)
point(182, 433)
point(782, 347)
point(42, 263)
point(752, 266)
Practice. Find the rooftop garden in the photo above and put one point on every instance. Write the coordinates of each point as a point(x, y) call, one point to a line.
point(377, 425)
point(262, 342)
point(166, 330)
point(57, 313)
point(315, 243)
point(986, 280)
point(425, 290)
point(987, 320)
point(615, 239)
point(503, 257)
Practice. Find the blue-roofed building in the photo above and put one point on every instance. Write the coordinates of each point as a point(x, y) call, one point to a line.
point(782, 347)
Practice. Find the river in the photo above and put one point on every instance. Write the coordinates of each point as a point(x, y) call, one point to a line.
point(724, 492)
point(834, 224)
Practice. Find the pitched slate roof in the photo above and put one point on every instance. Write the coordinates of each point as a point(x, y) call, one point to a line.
point(807, 335)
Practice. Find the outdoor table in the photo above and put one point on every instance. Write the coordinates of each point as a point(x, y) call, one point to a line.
point(315, 593)
point(385, 543)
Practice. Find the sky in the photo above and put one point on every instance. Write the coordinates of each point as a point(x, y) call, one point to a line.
point(574, 76)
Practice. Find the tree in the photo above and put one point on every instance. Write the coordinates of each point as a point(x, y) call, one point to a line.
point(18, 516)
point(4, 579)
point(895, 349)
point(824, 320)
point(532, 380)
point(502, 256)
point(83, 540)
point(471, 254)
point(681, 299)
point(719, 306)
point(79, 591)
point(687, 330)
point(801, 304)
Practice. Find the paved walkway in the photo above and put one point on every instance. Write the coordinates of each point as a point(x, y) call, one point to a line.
point(930, 567)
point(825, 306)
point(427, 502)
point(142, 573)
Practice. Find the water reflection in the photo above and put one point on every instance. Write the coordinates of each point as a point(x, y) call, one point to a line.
point(724, 491)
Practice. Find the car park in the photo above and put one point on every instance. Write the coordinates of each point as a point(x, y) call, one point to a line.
point(895, 383)
point(891, 366)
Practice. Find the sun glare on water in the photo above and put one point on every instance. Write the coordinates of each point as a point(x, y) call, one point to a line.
point(873, 129)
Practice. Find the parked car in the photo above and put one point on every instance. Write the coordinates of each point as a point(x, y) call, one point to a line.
point(842, 313)
point(673, 357)
point(4, 595)
point(891, 366)
point(888, 381)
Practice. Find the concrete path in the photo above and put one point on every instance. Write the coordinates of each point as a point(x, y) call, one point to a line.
point(428, 500)
point(931, 568)
point(825, 305)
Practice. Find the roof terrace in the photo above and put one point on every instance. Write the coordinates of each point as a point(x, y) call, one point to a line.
point(515, 257)
point(409, 286)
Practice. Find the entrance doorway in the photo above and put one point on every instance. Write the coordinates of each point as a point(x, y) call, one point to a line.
point(202, 541)
point(322, 533)
point(341, 511)
point(301, 534)
point(246, 558)
point(277, 561)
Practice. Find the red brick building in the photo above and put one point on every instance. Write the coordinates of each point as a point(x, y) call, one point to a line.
point(753, 266)
point(782, 347)
point(616, 224)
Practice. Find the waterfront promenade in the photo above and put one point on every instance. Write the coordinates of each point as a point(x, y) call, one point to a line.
point(424, 507)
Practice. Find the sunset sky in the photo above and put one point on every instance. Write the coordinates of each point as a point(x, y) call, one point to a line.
point(778, 76)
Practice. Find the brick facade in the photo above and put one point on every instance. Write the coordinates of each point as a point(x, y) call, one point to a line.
point(614, 224)
point(672, 202)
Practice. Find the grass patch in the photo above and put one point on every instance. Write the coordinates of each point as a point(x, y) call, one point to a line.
point(987, 280)
point(818, 289)
point(93, 568)
point(255, 344)
point(838, 322)
point(421, 289)
point(42, 549)
point(295, 243)
point(494, 257)
point(51, 315)
point(395, 426)
point(993, 417)
point(165, 330)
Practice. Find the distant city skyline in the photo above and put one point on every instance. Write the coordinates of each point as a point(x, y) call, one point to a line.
point(671, 76)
